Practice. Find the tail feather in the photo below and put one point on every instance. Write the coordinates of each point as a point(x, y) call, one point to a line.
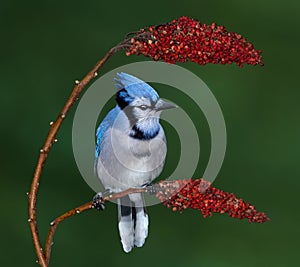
point(126, 223)
point(133, 221)
point(141, 227)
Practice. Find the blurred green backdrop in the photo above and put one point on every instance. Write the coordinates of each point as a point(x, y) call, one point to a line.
point(46, 45)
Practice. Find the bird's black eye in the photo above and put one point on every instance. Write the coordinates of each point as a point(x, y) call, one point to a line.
point(143, 107)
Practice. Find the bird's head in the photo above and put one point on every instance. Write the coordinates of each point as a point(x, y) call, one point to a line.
point(140, 102)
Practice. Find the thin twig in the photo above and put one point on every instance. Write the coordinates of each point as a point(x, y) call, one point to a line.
point(44, 151)
point(55, 223)
point(78, 210)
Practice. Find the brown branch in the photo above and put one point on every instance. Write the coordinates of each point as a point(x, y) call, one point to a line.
point(55, 223)
point(179, 195)
point(78, 210)
point(50, 139)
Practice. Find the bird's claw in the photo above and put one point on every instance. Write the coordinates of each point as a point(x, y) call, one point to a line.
point(98, 202)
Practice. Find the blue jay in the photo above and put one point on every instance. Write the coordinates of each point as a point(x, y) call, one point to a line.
point(130, 152)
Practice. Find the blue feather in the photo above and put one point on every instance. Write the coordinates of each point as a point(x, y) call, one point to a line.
point(103, 127)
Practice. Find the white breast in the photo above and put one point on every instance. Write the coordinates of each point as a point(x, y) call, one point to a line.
point(128, 162)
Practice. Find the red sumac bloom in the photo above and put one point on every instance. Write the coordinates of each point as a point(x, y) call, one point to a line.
point(186, 39)
point(200, 195)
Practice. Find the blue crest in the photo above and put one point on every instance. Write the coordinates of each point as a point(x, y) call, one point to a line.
point(131, 87)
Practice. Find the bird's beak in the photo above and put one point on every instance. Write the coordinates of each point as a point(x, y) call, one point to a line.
point(162, 105)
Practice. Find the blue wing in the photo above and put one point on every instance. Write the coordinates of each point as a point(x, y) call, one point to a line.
point(103, 127)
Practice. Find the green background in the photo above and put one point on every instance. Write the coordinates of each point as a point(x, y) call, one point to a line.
point(46, 45)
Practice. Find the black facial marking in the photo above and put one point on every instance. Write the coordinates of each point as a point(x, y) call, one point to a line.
point(122, 98)
point(138, 134)
point(152, 104)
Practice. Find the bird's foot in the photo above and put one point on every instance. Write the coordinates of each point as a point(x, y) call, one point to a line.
point(150, 188)
point(98, 200)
